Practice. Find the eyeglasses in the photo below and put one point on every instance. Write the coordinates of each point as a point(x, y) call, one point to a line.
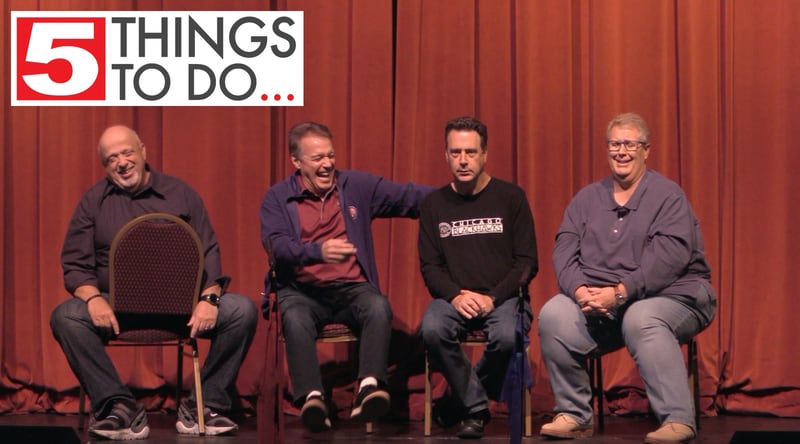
point(455, 153)
point(630, 146)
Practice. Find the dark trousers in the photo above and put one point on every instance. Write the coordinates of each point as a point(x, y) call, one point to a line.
point(443, 327)
point(84, 347)
point(305, 310)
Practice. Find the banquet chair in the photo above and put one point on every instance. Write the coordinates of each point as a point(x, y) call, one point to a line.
point(156, 266)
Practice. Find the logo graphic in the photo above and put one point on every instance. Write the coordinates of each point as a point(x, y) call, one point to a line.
point(353, 212)
point(469, 227)
point(156, 58)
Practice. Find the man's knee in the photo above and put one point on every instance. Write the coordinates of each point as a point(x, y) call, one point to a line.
point(61, 316)
point(245, 310)
point(550, 318)
point(378, 308)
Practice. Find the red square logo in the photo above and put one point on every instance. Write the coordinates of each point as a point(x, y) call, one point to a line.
point(61, 58)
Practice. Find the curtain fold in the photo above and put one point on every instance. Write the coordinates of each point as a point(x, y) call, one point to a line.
point(715, 80)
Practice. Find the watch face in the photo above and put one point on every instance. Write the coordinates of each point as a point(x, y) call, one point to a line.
point(212, 298)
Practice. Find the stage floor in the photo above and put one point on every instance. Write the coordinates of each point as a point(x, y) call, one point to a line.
point(618, 430)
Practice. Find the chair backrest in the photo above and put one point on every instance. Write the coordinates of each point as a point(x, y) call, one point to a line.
point(156, 266)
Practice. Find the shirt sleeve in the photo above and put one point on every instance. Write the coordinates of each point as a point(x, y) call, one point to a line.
point(525, 261)
point(201, 222)
point(431, 258)
point(668, 250)
point(277, 234)
point(393, 199)
point(567, 250)
point(78, 253)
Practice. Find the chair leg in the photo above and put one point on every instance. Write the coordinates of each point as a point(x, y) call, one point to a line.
point(179, 381)
point(198, 389)
point(428, 407)
point(694, 382)
point(526, 395)
point(81, 408)
point(595, 365)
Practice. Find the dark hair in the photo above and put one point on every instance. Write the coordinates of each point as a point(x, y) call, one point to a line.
point(303, 129)
point(467, 123)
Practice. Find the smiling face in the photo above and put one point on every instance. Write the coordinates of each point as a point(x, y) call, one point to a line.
point(627, 166)
point(465, 157)
point(123, 156)
point(316, 162)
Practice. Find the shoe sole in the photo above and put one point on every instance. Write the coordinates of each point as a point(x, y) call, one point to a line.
point(372, 407)
point(588, 433)
point(210, 430)
point(470, 435)
point(667, 441)
point(121, 435)
point(315, 418)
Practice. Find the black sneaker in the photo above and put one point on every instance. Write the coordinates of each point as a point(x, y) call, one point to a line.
point(215, 423)
point(315, 414)
point(371, 403)
point(126, 421)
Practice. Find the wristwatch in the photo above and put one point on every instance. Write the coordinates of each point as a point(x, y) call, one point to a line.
point(211, 298)
point(621, 298)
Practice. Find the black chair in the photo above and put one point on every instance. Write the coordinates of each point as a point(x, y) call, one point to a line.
point(155, 270)
point(595, 368)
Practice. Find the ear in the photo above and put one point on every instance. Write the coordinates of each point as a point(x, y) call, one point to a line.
point(296, 162)
point(144, 152)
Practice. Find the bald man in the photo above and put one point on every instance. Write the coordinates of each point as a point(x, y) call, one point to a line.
point(83, 323)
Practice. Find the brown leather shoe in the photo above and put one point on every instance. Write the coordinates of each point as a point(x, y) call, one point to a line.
point(566, 426)
point(670, 433)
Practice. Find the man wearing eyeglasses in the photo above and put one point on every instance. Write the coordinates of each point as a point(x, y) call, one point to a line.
point(631, 268)
point(477, 248)
point(316, 228)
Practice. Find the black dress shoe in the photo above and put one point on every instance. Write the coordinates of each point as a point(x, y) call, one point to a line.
point(471, 428)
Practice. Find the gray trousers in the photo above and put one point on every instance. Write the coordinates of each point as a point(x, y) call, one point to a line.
point(652, 329)
point(84, 347)
point(442, 329)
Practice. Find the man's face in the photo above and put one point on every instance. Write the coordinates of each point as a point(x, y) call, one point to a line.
point(627, 162)
point(316, 163)
point(123, 157)
point(464, 155)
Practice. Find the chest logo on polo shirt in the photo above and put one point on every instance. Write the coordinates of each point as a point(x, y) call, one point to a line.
point(353, 212)
point(469, 227)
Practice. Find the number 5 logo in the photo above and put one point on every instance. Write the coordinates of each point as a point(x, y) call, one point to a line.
point(60, 58)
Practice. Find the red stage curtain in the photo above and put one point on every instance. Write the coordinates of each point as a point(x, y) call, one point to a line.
point(716, 81)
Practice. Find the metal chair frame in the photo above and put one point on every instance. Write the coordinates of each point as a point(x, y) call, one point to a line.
point(595, 369)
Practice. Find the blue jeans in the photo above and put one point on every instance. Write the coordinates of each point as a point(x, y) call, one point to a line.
point(442, 329)
point(306, 309)
point(84, 347)
point(653, 330)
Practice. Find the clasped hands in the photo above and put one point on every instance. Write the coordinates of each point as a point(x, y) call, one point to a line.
point(472, 305)
point(596, 301)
